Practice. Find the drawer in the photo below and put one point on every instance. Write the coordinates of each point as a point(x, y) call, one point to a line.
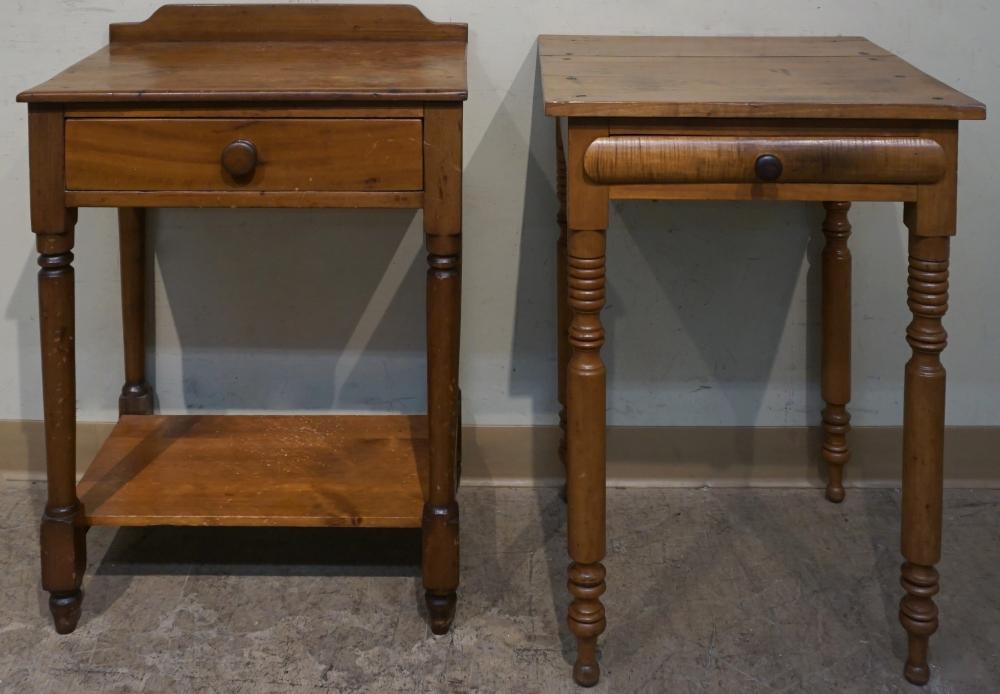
point(212, 154)
point(637, 159)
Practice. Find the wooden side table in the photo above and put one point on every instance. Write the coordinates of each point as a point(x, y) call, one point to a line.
point(251, 106)
point(825, 119)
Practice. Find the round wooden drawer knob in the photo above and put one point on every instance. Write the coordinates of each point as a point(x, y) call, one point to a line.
point(768, 167)
point(239, 158)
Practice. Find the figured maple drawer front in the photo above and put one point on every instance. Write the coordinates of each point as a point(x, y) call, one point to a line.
point(636, 159)
point(237, 154)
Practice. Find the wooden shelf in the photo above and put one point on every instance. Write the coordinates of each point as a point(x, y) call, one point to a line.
point(349, 471)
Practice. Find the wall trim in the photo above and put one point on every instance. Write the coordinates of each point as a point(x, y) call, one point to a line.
point(637, 456)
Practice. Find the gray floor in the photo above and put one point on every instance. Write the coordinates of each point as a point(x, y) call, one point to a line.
point(709, 591)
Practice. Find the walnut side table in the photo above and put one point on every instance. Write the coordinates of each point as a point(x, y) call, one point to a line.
point(251, 106)
point(825, 119)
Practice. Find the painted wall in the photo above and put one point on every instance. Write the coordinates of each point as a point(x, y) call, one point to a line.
point(713, 309)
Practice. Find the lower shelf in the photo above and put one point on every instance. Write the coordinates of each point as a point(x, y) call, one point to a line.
point(285, 470)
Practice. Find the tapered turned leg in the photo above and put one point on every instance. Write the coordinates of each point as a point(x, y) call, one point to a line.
point(63, 545)
point(440, 528)
point(562, 307)
point(923, 448)
point(136, 396)
point(836, 360)
point(585, 461)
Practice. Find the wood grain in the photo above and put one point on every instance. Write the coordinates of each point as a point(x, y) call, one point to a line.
point(764, 191)
point(46, 163)
point(287, 23)
point(682, 77)
point(294, 154)
point(262, 72)
point(412, 200)
point(246, 110)
point(629, 159)
point(259, 470)
point(708, 46)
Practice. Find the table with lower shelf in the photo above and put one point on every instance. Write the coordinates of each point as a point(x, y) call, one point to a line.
point(823, 119)
point(251, 106)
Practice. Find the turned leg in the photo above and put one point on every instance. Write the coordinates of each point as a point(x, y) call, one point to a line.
point(63, 545)
point(136, 396)
point(585, 472)
point(443, 228)
point(836, 360)
point(441, 510)
point(562, 307)
point(923, 448)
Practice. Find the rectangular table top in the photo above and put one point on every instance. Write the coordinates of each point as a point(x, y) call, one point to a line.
point(740, 77)
point(270, 53)
point(263, 71)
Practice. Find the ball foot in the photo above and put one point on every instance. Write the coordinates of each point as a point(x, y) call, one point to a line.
point(835, 494)
point(65, 608)
point(586, 674)
point(442, 611)
point(917, 674)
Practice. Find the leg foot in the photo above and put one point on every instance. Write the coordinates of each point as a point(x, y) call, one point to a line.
point(917, 674)
point(65, 608)
point(441, 607)
point(136, 398)
point(919, 616)
point(586, 619)
point(836, 424)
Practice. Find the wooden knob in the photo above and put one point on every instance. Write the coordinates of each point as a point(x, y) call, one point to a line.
point(768, 167)
point(239, 158)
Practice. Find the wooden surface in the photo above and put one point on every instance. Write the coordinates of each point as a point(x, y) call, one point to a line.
point(279, 71)
point(246, 198)
point(294, 154)
point(287, 23)
point(269, 53)
point(259, 470)
point(622, 159)
point(779, 77)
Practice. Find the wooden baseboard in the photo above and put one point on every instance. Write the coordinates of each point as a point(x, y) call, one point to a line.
point(637, 456)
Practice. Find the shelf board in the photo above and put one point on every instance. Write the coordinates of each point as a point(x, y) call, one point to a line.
point(274, 470)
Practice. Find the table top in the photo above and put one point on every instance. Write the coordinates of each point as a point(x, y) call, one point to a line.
point(270, 53)
point(740, 77)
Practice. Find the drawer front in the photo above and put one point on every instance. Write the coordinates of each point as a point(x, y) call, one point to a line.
point(637, 159)
point(211, 154)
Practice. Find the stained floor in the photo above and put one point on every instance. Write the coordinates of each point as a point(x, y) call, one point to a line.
point(708, 591)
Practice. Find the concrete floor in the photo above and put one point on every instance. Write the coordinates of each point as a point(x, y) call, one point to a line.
point(709, 591)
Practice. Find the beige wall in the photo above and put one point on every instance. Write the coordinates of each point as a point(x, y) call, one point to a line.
point(712, 310)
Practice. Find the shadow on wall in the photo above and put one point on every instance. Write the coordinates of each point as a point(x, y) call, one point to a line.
point(292, 309)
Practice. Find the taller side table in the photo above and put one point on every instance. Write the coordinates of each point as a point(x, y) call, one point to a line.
point(251, 106)
point(825, 119)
